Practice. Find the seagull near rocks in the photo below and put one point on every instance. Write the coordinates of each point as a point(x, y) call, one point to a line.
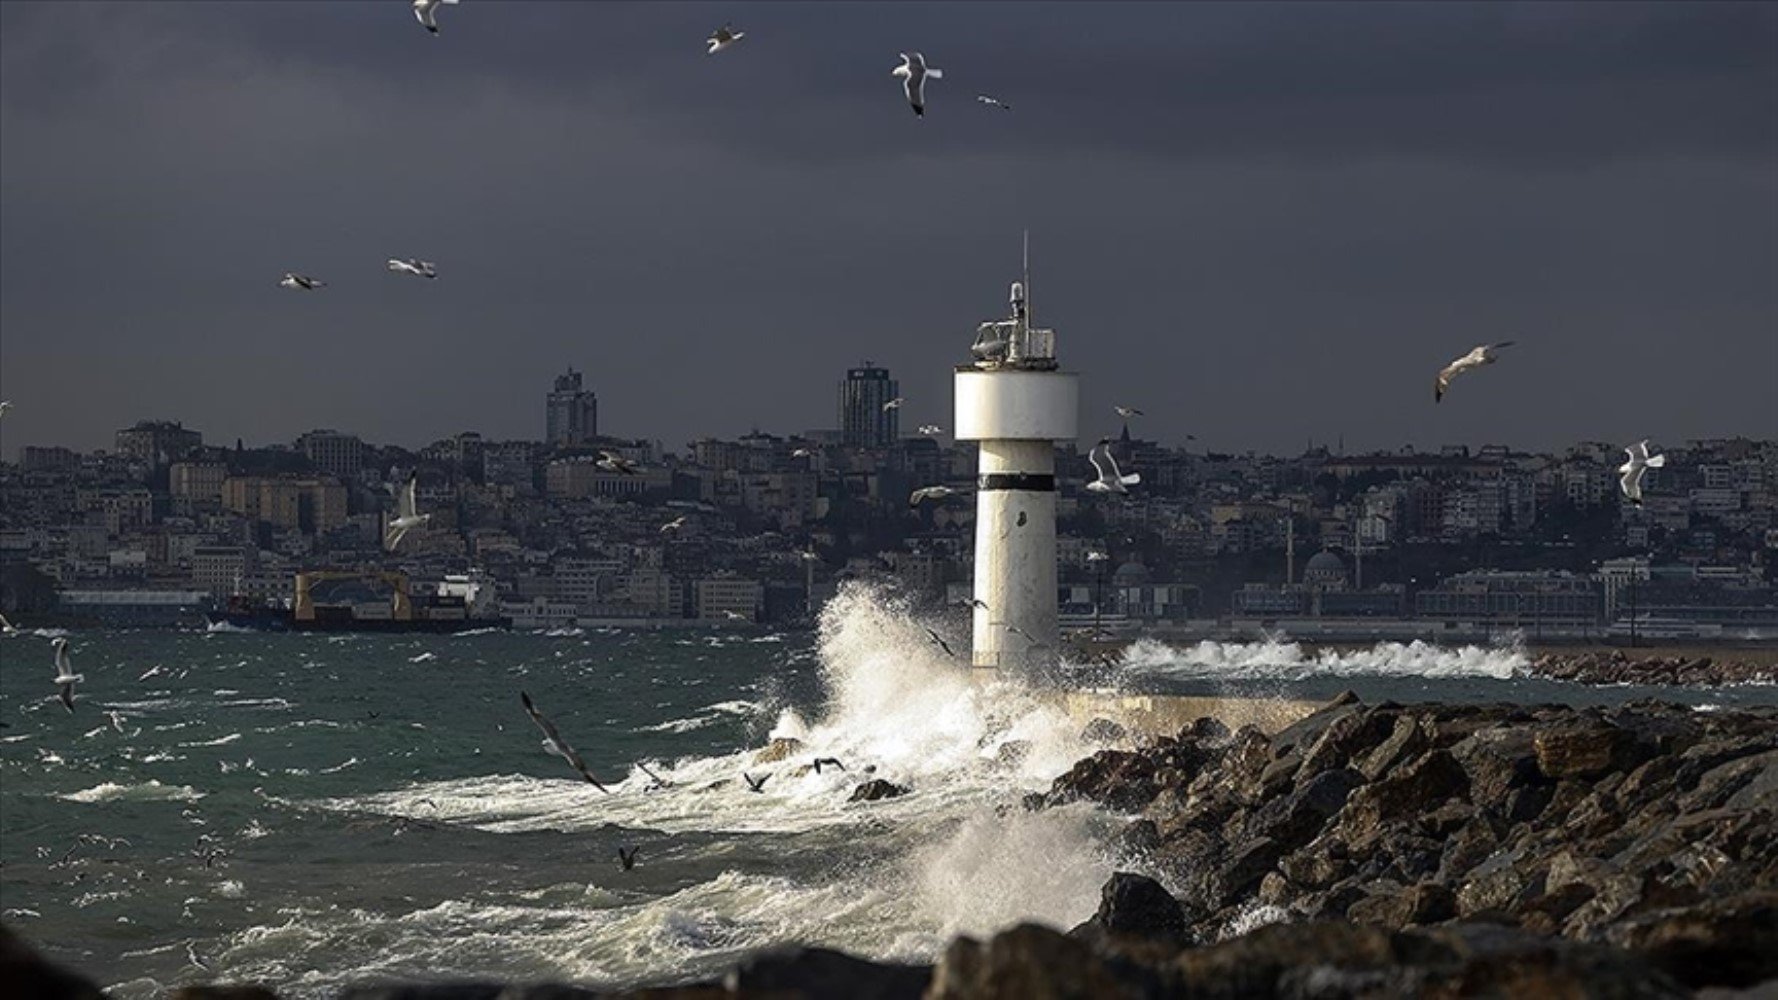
point(914, 71)
point(993, 102)
point(553, 741)
point(893, 404)
point(835, 761)
point(942, 644)
point(931, 429)
point(926, 493)
point(414, 266)
point(407, 515)
point(1128, 411)
point(755, 784)
point(1481, 355)
point(300, 282)
point(1639, 462)
point(628, 859)
point(613, 462)
point(66, 678)
point(724, 37)
point(1110, 479)
point(426, 12)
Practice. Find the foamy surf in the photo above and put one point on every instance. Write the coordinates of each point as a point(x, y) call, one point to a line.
point(148, 791)
point(1283, 660)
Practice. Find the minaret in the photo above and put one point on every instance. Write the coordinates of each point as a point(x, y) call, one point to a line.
point(1014, 402)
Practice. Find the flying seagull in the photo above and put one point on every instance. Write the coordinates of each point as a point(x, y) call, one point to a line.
point(628, 860)
point(1110, 479)
point(301, 282)
point(5, 405)
point(426, 12)
point(1128, 411)
point(893, 404)
point(673, 525)
point(613, 462)
point(835, 761)
point(755, 784)
point(6, 627)
point(926, 493)
point(736, 616)
point(1096, 556)
point(414, 266)
point(801, 453)
point(1015, 630)
point(556, 745)
point(931, 429)
point(942, 644)
point(659, 782)
point(407, 516)
point(192, 956)
point(724, 37)
point(993, 102)
point(914, 71)
point(975, 602)
point(1484, 354)
point(66, 678)
point(1640, 461)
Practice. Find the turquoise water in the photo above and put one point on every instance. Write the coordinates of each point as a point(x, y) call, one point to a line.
point(308, 811)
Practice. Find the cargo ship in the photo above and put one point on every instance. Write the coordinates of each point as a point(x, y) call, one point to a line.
point(369, 601)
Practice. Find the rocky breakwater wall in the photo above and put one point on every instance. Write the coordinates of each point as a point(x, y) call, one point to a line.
point(1616, 666)
point(1648, 829)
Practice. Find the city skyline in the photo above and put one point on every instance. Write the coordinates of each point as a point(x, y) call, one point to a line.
point(1252, 222)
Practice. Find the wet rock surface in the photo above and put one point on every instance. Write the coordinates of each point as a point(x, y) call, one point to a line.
point(1618, 666)
point(1646, 827)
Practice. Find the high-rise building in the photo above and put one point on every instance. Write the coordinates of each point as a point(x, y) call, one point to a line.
point(571, 413)
point(866, 420)
point(334, 453)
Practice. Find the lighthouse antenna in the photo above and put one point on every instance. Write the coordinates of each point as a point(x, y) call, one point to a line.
point(1026, 268)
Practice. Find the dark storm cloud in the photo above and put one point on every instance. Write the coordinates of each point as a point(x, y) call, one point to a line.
point(1277, 219)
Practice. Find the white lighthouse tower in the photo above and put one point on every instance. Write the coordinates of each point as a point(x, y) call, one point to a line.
point(1014, 402)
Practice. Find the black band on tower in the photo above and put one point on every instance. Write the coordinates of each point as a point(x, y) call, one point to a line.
point(1029, 482)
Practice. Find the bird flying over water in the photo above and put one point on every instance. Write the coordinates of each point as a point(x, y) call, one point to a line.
point(426, 12)
point(300, 282)
point(407, 515)
point(6, 627)
point(1128, 411)
point(755, 784)
point(993, 102)
point(556, 745)
point(926, 493)
point(1639, 462)
point(914, 71)
point(1484, 354)
point(414, 266)
point(835, 761)
point(724, 37)
point(66, 678)
point(192, 956)
point(942, 644)
point(628, 860)
point(1110, 479)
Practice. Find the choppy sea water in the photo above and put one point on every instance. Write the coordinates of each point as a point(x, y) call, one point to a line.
point(308, 811)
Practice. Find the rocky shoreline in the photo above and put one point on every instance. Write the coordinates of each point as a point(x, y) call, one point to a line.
point(1388, 850)
point(1616, 666)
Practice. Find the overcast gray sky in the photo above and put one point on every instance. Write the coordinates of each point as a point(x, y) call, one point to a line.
point(1258, 223)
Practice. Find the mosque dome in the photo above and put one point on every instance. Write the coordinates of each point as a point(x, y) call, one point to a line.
point(1131, 574)
point(1326, 569)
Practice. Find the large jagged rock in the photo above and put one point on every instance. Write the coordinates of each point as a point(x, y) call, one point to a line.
point(1121, 780)
point(1103, 732)
point(1729, 943)
point(819, 972)
point(877, 788)
point(1585, 751)
point(1135, 906)
point(780, 748)
point(1032, 962)
point(29, 977)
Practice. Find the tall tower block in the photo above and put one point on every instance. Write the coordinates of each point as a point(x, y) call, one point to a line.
point(1014, 402)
